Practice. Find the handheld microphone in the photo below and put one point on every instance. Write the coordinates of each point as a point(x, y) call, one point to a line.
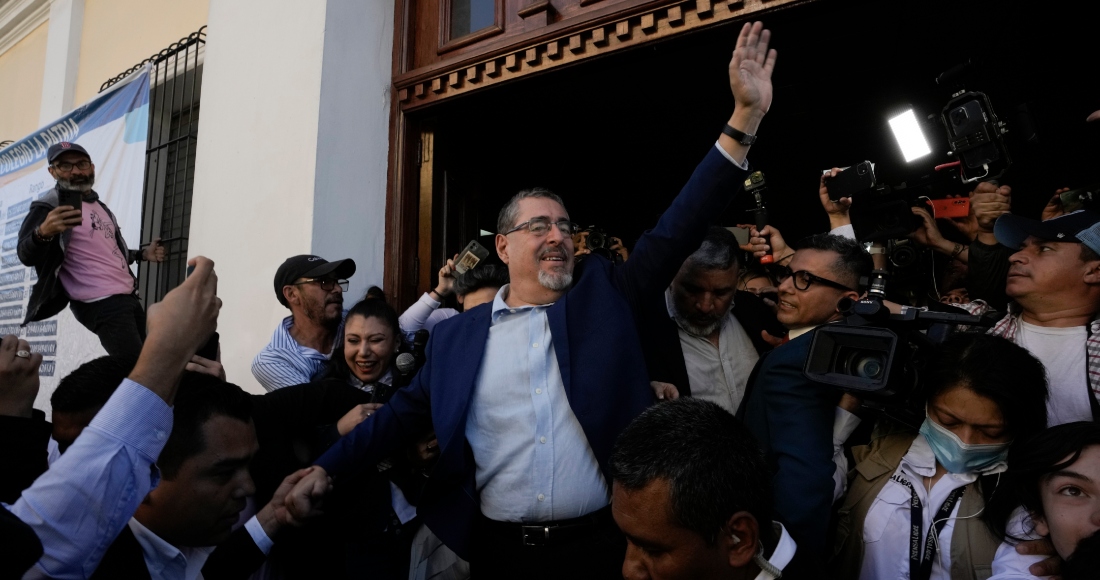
point(406, 363)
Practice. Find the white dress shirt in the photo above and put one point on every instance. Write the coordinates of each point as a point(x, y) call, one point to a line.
point(886, 529)
point(720, 373)
point(533, 461)
point(165, 561)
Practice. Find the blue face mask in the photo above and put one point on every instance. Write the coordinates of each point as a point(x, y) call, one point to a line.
point(958, 457)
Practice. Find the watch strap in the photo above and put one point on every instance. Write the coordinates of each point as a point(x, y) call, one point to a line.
point(739, 136)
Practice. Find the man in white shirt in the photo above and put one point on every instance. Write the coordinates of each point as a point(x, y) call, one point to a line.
point(692, 495)
point(1054, 285)
point(204, 486)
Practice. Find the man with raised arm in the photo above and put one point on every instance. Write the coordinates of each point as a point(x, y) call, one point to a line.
point(528, 393)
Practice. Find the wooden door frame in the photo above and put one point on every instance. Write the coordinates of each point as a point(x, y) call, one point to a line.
point(602, 31)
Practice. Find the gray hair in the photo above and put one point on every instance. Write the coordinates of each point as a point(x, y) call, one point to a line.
point(718, 251)
point(509, 213)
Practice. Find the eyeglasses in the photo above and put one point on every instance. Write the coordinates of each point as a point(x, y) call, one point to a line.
point(540, 226)
point(803, 279)
point(326, 284)
point(66, 167)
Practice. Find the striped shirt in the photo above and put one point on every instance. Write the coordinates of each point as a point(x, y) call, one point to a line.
point(284, 362)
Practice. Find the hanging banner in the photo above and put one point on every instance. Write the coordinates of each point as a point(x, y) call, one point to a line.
point(113, 127)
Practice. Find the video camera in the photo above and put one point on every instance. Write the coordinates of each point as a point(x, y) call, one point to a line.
point(975, 137)
point(880, 356)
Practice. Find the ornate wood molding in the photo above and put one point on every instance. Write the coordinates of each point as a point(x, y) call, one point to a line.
point(415, 90)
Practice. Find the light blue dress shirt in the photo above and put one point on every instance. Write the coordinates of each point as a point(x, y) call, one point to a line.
point(79, 506)
point(534, 463)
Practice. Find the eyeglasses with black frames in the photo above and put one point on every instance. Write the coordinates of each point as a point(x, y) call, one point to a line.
point(65, 166)
point(326, 284)
point(803, 280)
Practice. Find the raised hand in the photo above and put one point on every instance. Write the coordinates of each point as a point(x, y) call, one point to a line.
point(989, 202)
point(18, 376)
point(837, 210)
point(751, 68)
point(1054, 207)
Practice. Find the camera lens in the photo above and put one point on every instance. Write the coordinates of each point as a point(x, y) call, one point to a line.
point(958, 116)
point(866, 365)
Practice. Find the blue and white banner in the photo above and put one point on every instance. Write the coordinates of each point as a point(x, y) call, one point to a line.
point(113, 127)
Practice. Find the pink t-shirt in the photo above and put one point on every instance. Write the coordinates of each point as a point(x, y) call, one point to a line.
point(95, 267)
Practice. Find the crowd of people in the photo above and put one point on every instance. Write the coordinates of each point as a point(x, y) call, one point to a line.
point(564, 413)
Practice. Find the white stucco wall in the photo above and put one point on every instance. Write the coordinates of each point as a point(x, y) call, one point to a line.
point(291, 152)
point(255, 164)
point(349, 212)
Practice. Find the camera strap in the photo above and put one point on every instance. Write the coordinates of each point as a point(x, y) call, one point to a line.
point(920, 562)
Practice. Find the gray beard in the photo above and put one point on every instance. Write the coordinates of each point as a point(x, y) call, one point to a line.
point(703, 331)
point(83, 187)
point(557, 281)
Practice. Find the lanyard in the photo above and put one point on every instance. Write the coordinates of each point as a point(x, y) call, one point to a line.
point(920, 565)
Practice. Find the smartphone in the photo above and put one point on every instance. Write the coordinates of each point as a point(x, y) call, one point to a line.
point(210, 349)
point(70, 197)
point(952, 207)
point(850, 181)
point(470, 256)
point(742, 235)
point(1076, 199)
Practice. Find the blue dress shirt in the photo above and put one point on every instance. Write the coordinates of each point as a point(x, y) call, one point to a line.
point(534, 463)
point(79, 506)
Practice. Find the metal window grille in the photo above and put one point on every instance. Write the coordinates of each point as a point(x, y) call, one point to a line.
point(175, 88)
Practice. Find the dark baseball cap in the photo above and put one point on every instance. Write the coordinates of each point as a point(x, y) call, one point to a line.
point(64, 147)
point(1012, 230)
point(309, 266)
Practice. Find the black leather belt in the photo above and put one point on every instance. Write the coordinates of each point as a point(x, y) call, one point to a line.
point(553, 533)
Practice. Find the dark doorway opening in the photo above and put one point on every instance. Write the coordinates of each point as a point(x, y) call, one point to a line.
point(617, 137)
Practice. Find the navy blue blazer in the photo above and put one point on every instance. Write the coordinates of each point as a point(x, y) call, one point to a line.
point(597, 347)
point(792, 417)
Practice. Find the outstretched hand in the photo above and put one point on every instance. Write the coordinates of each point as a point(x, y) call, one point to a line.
point(751, 68)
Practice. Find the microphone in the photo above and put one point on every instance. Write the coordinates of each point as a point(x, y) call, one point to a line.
point(406, 363)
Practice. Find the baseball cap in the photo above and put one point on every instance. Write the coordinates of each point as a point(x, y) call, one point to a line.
point(63, 147)
point(1091, 237)
point(1012, 230)
point(309, 266)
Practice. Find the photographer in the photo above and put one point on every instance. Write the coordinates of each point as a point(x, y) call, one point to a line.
point(594, 240)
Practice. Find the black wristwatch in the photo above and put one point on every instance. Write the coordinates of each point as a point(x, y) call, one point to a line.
point(739, 136)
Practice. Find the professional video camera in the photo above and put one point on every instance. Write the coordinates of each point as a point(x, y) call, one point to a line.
point(880, 356)
point(975, 138)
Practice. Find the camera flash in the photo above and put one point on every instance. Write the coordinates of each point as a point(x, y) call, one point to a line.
point(910, 138)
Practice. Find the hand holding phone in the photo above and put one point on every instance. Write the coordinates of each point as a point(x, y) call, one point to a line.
point(67, 215)
point(470, 257)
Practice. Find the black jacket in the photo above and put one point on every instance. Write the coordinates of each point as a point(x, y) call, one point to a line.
point(24, 453)
point(236, 557)
point(661, 337)
point(48, 297)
